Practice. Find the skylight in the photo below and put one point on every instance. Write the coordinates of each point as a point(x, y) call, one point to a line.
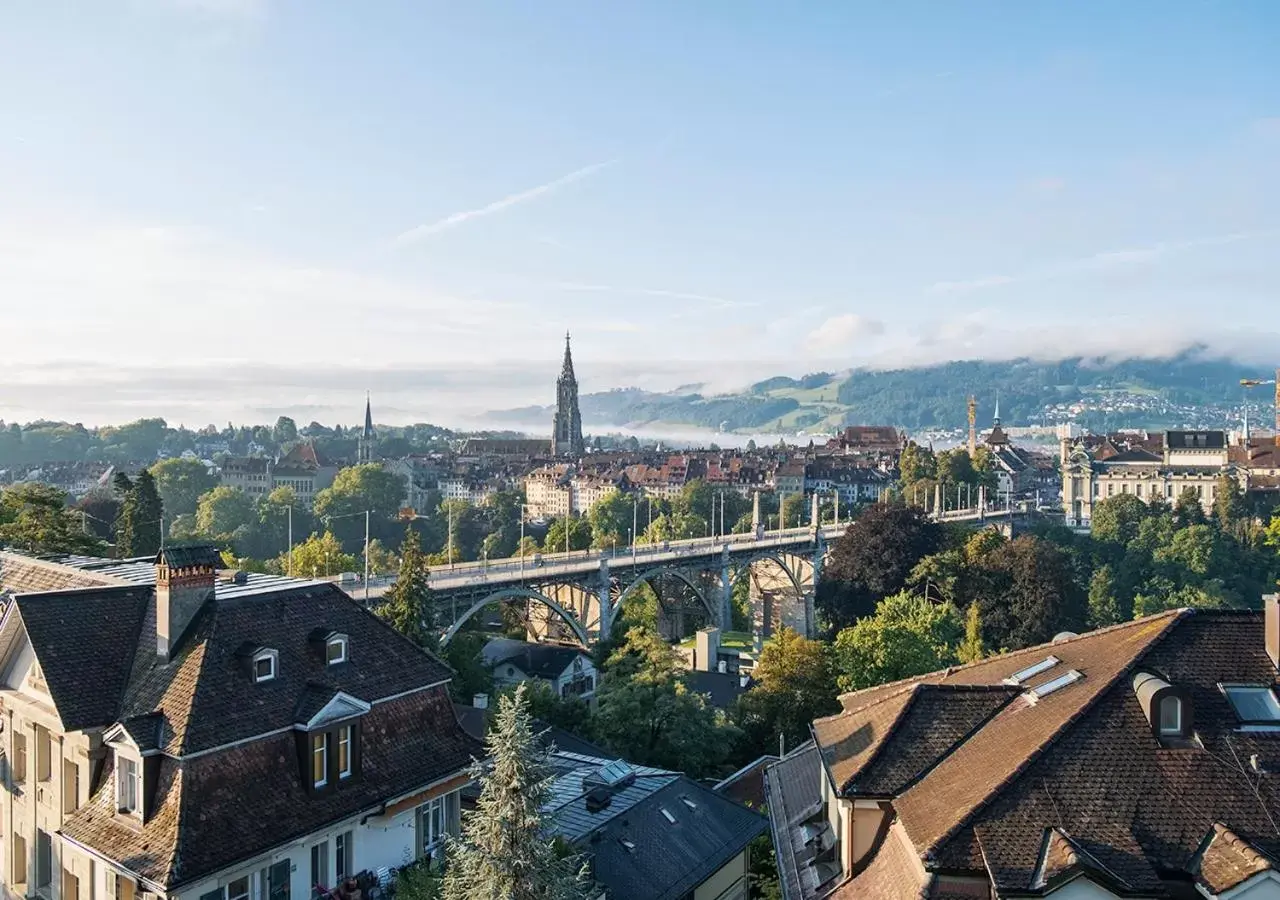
point(1056, 685)
point(614, 773)
point(1032, 671)
point(1253, 704)
point(689, 803)
point(666, 814)
point(626, 844)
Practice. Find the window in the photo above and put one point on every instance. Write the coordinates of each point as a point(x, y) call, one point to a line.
point(320, 864)
point(1032, 671)
point(70, 886)
point(19, 758)
point(264, 665)
point(342, 857)
point(1254, 704)
point(44, 862)
point(320, 759)
point(70, 786)
point(128, 784)
point(335, 649)
point(429, 824)
point(1171, 715)
point(19, 859)
point(238, 889)
point(44, 754)
point(666, 814)
point(344, 751)
point(1057, 684)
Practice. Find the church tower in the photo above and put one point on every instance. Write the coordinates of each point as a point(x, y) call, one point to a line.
point(364, 453)
point(566, 427)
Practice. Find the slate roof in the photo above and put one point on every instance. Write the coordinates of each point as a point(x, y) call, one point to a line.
point(181, 557)
point(1081, 759)
point(723, 688)
point(547, 661)
point(793, 793)
point(25, 575)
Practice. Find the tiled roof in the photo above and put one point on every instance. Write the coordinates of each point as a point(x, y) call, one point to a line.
point(793, 793)
point(1227, 860)
point(891, 874)
point(24, 575)
point(1083, 760)
point(258, 787)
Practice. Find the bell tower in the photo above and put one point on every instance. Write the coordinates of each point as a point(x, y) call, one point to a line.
point(566, 427)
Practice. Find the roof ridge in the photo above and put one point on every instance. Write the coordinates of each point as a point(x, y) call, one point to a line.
point(888, 736)
point(1037, 752)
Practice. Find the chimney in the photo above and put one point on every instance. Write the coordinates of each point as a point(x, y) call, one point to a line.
point(706, 648)
point(722, 667)
point(480, 701)
point(1271, 618)
point(185, 578)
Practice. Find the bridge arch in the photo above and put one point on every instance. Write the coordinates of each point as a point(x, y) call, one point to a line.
point(615, 608)
point(575, 626)
point(777, 559)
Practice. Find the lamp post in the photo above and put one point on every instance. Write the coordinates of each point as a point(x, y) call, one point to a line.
point(523, 507)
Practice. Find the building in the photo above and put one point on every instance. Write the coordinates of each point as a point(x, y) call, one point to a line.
point(566, 427)
point(304, 470)
point(716, 672)
point(249, 474)
point(548, 492)
point(1135, 761)
point(1138, 464)
point(566, 669)
point(364, 450)
point(506, 449)
point(650, 834)
point(181, 733)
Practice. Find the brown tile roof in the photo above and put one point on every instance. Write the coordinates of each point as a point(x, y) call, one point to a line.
point(892, 874)
point(24, 575)
point(403, 749)
point(1227, 860)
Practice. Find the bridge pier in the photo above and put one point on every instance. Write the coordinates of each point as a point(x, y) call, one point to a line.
point(726, 591)
point(606, 606)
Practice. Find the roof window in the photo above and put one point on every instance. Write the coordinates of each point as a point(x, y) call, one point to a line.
point(689, 803)
point(1030, 672)
point(1254, 705)
point(666, 814)
point(626, 844)
point(615, 773)
point(1057, 684)
point(265, 663)
point(335, 649)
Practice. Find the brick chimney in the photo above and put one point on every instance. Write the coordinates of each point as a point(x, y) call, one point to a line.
point(185, 579)
point(1271, 617)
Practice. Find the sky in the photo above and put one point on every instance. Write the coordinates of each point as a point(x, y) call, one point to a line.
point(232, 209)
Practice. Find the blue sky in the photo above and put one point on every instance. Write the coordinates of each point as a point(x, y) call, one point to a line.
point(243, 206)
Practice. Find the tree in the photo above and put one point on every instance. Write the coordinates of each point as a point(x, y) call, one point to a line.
point(502, 853)
point(122, 484)
point(794, 511)
point(34, 519)
point(1026, 592)
point(406, 606)
point(316, 556)
point(222, 511)
point(358, 489)
point(1188, 510)
point(579, 535)
point(1117, 519)
point(1104, 609)
point(794, 685)
point(1228, 501)
point(610, 520)
point(285, 431)
point(646, 711)
point(470, 675)
point(148, 515)
point(907, 636)
point(181, 482)
point(972, 648)
point(100, 510)
point(873, 559)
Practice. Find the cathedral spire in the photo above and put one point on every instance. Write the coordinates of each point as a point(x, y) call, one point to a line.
point(566, 370)
point(566, 427)
point(364, 452)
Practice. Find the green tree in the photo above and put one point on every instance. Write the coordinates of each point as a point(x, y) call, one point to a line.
point(1188, 510)
point(223, 511)
point(34, 518)
point(795, 511)
point(127, 516)
point(1117, 519)
point(1228, 502)
point(355, 490)
point(470, 675)
point(181, 482)
point(907, 636)
point(794, 685)
point(874, 559)
point(610, 520)
point(285, 431)
point(916, 464)
point(319, 555)
point(972, 648)
point(148, 515)
point(579, 535)
point(1104, 609)
point(646, 711)
point(1027, 593)
point(407, 606)
point(503, 853)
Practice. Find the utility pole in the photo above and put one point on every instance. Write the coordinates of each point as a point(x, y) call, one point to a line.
point(366, 557)
point(290, 508)
point(522, 509)
point(635, 509)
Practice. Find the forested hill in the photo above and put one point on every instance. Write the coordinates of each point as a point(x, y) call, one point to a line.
point(1183, 390)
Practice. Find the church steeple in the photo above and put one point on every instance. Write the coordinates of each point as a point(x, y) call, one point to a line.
point(364, 452)
point(566, 427)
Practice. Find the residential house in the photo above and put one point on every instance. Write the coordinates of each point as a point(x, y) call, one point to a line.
point(250, 474)
point(566, 669)
point(716, 672)
point(1135, 761)
point(214, 738)
point(304, 470)
point(548, 492)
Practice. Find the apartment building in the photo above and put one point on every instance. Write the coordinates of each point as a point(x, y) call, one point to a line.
point(213, 737)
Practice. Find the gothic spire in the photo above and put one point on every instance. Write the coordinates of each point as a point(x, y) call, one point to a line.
point(368, 415)
point(566, 370)
point(996, 417)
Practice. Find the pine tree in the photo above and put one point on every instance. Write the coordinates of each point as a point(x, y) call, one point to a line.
point(1104, 609)
point(502, 853)
point(971, 649)
point(128, 515)
point(407, 607)
point(148, 515)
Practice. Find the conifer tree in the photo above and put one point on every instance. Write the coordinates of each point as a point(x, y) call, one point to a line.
point(407, 607)
point(503, 853)
point(125, 519)
point(148, 513)
point(971, 648)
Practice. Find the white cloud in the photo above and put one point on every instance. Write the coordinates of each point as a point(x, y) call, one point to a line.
point(721, 302)
point(422, 232)
point(840, 333)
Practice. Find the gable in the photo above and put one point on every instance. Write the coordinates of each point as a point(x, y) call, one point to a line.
point(22, 671)
point(341, 706)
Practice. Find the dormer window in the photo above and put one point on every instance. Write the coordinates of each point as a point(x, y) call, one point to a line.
point(128, 785)
point(1170, 715)
point(335, 649)
point(265, 663)
point(320, 759)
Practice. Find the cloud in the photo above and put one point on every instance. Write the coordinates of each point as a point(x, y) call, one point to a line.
point(1103, 260)
point(422, 232)
point(840, 332)
point(712, 300)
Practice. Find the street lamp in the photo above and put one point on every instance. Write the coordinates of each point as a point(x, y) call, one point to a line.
point(523, 507)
